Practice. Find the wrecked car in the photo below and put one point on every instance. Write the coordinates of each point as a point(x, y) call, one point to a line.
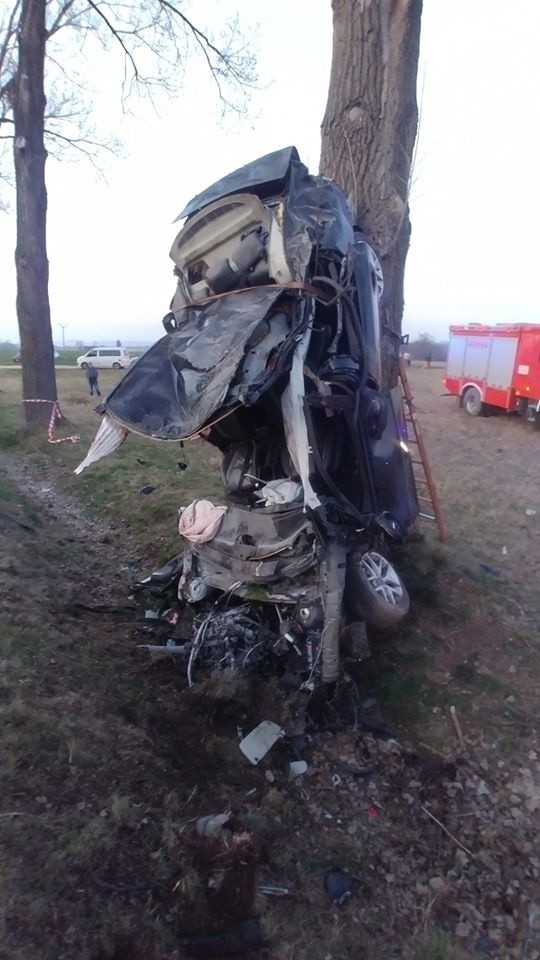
point(272, 354)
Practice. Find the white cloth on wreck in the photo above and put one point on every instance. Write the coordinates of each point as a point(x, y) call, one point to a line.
point(109, 437)
point(280, 491)
point(200, 521)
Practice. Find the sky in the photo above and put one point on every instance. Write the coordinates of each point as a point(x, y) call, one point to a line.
point(475, 203)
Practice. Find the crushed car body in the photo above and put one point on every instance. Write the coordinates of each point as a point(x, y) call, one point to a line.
point(272, 354)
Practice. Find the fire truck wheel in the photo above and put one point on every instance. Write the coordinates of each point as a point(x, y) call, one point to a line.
point(472, 402)
point(374, 591)
point(536, 424)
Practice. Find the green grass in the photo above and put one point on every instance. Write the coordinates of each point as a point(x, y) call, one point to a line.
point(110, 488)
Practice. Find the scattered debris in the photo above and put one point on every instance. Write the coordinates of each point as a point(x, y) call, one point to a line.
point(297, 768)
point(338, 885)
point(241, 938)
point(491, 570)
point(457, 728)
point(530, 512)
point(148, 488)
point(151, 615)
point(211, 824)
point(260, 740)
point(504, 551)
point(132, 565)
point(273, 890)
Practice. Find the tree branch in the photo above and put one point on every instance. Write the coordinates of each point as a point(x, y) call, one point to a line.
point(79, 143)
point(59, 21)
point(9, 33)
point(117, 37)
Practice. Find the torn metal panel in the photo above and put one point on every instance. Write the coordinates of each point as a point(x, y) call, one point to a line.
point(294, 420)
point(184, 378)
point(259, 546)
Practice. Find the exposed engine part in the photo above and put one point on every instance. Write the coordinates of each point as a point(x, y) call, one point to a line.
point(230, 639)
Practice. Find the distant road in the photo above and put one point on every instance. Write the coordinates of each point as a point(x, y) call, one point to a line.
point(58, 366)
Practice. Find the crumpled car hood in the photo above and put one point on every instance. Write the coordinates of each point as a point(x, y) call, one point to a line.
point(179, 382)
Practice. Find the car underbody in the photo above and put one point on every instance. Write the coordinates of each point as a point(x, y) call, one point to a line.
point(272, 355)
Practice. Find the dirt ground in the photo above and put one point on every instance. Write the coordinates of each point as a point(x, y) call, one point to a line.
point(108, 760)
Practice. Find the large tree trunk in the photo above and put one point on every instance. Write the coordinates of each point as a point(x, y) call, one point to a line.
point(33, 311)
point(368, 135)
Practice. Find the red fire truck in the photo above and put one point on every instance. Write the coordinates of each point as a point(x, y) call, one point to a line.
point(495, 367)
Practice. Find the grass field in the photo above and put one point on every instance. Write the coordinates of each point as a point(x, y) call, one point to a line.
point(107, 759)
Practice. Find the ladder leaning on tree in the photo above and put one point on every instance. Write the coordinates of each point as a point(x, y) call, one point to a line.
point(422, 471)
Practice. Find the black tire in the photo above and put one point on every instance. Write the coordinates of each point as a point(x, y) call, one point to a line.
point(374, 592)
point(472, 402)
point(84, 366)
point(116, 366)
point(536, 421)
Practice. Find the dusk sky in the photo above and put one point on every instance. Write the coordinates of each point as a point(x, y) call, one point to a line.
point(475, 206)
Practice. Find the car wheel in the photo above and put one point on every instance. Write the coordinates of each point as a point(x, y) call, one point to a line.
point(116, 366)
point(374, 591)
point(84, 366)
point(472, 402)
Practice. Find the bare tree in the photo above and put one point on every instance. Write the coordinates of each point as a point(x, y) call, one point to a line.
point(368, 135)
point(155, 39)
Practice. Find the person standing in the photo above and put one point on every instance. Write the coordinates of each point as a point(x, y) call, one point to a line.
point(427, 365)
point(93, 379)
point(407, 358)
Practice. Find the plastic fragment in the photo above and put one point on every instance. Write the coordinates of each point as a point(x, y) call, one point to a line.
point(260, 740)
point(210, 825)
point(273, 890)
point(297, 768)
point(338, 885)
point(151, 615)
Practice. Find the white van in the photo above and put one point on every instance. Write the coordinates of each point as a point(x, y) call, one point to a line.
point(103, 357)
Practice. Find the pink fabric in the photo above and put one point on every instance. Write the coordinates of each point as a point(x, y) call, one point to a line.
point(200, 521)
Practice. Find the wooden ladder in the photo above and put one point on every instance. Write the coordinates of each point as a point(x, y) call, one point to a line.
point(421, 469)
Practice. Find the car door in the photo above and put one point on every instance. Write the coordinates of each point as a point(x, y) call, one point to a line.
point(107, 358)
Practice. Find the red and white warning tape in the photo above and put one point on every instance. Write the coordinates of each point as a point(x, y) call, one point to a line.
point(56, 415)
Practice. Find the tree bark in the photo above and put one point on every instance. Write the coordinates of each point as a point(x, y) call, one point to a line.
point(368, 135)
point(32, 265)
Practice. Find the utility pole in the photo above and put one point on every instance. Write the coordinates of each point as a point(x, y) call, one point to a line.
point(63, 326)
